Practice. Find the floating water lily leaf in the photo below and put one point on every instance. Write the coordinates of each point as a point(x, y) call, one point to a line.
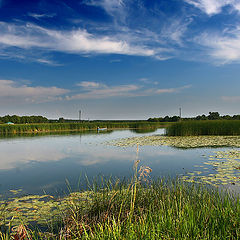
point(223, 164)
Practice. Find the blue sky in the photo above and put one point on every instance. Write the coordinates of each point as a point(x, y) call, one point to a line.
point(119, 59)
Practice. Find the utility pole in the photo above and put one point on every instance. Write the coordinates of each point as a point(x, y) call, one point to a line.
point(80, 115)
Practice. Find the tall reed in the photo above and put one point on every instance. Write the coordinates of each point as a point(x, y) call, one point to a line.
point(51, 127)
point(197, 128)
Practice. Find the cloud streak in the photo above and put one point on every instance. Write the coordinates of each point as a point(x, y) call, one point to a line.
point(223, 48)
point(70, 41)
point(23, 93)
point(11, 91)
point(93, 90)
point(212, 7)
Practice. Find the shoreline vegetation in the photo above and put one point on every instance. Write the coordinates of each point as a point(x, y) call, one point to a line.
point(61, 127)
point(190, 207)
point(141, 209)
point(204, 127)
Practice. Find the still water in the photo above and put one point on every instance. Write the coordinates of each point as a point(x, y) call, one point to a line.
point(41, 164)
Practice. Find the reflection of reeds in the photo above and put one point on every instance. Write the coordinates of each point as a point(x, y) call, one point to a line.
point(211, 127)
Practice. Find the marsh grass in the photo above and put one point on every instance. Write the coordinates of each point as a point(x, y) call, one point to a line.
point(58, 127)
point(162, 209)
point(196, 128)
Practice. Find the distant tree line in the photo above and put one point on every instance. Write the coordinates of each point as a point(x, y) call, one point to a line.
point(23, 119)
point(165, 119)
point(211, 116)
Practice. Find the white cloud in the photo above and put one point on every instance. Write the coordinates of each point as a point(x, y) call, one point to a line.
point(21, 92)
point(106, 92)
point(148, 81)
point(103, 91)
point(39, 16)
point(71, 41)
point(10, 90)
point(47, 62)
point(86, 84)
point(212, 7)
point(112, 7)
point(222, 47)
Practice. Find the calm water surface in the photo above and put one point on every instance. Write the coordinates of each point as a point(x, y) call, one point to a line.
point(43, 163)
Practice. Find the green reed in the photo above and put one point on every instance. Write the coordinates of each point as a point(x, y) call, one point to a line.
point(55, 127)
point(196, 128)
point(157, 210)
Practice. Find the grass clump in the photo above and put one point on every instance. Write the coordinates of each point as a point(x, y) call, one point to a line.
point(160, 210)
point(196, 128)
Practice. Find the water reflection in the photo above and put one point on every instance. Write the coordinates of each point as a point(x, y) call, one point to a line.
point(38, 164)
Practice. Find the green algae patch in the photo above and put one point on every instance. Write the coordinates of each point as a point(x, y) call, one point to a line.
point(179, 142)
point(40, 209)
point(223, 168)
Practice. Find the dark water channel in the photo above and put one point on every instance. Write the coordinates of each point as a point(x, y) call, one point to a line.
point(43, 163)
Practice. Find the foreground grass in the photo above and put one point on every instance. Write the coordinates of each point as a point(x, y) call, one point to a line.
point(196, 128)
point(160, 210)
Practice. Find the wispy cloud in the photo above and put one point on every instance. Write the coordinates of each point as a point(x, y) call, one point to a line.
point(22, 92)
point(148, 81)
point(47, 62)
point(104, 91)
point(115, 8)
point(75, 41)
point(86, 84)
point(223, 47)
point(212, 7)
point(93, 90)
point(12, 91)
point(44, 15)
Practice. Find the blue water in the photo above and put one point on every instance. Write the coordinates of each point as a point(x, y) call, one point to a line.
point(41, 164)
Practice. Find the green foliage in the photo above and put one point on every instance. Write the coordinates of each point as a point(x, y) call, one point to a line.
point(197, 128)
point(162, 210)
point(23, 119)
point(55, 127)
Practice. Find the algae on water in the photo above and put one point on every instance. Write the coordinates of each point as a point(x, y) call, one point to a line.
point(179, 142)
point(223, 169)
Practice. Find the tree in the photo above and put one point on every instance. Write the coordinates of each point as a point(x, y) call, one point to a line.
point(213, 116)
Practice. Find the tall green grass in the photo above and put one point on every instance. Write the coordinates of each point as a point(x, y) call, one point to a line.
point(160, 210)
point(51, 127)
point(196, 128)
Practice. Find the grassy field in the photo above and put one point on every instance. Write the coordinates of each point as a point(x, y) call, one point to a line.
point(160, 210)
point(197, 128)
point(58, 127)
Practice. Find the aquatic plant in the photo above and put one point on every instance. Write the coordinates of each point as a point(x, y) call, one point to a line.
point(164, 209)
point(179, 142)
point(197, 128)
point(222, 168)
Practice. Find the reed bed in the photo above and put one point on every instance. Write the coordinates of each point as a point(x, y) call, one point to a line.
point(143, 210)
point(57, 127)
point(197, 128)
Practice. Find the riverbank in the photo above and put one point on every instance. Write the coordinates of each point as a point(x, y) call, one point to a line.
point(138, 210)
point(61, 127)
